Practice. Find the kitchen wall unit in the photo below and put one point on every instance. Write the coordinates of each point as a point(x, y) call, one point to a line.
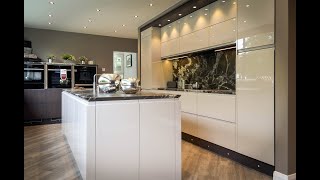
point(150, 58)
point(255, 23)
point(224, 32)
point(195, 40)
point(255, 79)
point(222, 10)
point(211, 26)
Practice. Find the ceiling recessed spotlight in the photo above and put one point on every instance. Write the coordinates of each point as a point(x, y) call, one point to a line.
point(85, 27)
point(123, 25)
point(247, 5)
point(51, 2)
point(49, 22)
point(150, 4)
point(98, 10)
point(206, 9)
point(234, 3)
point(135, 16)
point(184, 23)
point(205, 14)
point(50, 15)
point(159, 24)
point(168, 20)
point(115, 31)
point(194, 7)
point(169, 26)
point(180, 14)
point(234, 30)
point(190, 16)
point(223, 1)
point(244, 21)
point(90, 20)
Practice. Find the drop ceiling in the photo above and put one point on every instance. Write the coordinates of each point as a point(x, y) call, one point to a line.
point(116, 18)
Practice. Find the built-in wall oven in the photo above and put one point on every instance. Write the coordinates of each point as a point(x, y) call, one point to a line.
point(34, 76)
point(54, 76)
point(83, 75)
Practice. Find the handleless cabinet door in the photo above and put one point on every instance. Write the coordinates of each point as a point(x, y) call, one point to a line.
point(255, 104)
point(195, 21)
point(189, 124)
point(222, 33)
point(222, 10)
point(194, 41)
point(146, 66)
point(218, 106)
point(188, 102)
point(255, 23)
point(173, 46)
point(170, 31)
point(218, 132)
point(164, 49)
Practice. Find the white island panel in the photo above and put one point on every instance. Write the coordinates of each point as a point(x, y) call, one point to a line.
point(117, 140)
point(158, 132)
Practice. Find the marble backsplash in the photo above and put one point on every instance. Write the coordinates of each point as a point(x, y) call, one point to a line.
point(212, 70)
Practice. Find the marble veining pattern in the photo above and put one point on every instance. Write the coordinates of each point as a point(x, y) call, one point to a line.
point(213, 70)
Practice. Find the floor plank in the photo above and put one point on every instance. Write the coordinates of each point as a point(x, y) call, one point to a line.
point(47, 156)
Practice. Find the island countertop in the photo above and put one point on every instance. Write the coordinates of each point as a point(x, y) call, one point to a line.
point(88, 95)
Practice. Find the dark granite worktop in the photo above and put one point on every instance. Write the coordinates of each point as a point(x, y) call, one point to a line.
point(217, 91)
point(88, 95)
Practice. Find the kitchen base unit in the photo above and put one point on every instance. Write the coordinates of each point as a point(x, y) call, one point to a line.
point(123, 136)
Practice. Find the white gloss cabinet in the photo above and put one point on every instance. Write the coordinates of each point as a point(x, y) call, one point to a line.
point(218, 106)
point(189, 123)
point(195, 40)
point(255, 23)
point(195, 21)
point(78, 128)
point(216, 131)
point(150, 53)
point(224, 32)
point(222, 10)
point(116, 134)
point(188, 102)
point(170, 47)
point(170, 31)
point(125, 139)
point(159, 133)
point(146, 63)
point(255, 104)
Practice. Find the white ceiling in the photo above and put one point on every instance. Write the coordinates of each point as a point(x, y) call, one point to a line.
point(73, 15)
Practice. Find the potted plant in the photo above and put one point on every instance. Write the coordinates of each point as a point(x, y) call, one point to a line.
point(51, 57)
point(83, 59)
point(68, 57)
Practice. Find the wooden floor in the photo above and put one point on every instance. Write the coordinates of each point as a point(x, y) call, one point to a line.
point(47, 156)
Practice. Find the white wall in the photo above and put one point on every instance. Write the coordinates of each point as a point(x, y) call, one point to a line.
point(125, 71)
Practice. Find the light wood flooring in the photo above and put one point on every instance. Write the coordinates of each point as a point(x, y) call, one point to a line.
point(47, 156)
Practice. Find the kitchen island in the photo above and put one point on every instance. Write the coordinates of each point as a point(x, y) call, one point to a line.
point(123, 136)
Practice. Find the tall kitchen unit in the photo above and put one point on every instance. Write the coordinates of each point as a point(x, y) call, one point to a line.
point(255, 79)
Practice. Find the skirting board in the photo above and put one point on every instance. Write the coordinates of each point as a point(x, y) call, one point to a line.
point(280, 176)
point(235, 156)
